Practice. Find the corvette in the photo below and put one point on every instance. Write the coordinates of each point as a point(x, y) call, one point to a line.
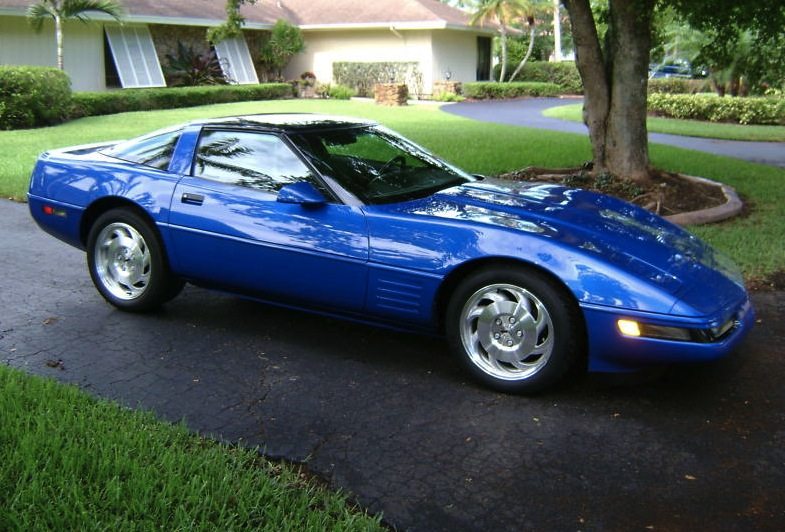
point(527, 282)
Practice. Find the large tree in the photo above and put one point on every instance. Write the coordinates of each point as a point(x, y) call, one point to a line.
point(614, 68)
point(615, 82)
point(61, 10)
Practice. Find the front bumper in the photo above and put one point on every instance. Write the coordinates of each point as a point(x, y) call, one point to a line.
point(611, 351)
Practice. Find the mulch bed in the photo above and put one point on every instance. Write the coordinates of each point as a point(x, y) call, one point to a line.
point(667, 194)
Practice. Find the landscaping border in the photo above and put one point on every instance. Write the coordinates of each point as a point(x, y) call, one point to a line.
point(732, 206)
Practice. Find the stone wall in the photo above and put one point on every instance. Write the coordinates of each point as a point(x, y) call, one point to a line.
point(446, 87)
point(166, 38)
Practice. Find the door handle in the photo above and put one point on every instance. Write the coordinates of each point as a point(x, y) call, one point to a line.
point(192, 199)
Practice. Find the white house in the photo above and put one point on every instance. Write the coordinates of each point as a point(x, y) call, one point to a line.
point(104, 54)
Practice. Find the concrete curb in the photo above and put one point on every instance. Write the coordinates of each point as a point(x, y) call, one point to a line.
point(729, 209)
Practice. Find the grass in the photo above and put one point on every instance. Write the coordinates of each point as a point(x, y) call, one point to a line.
point(755, 242)
point(71, 462)
point(687, 128)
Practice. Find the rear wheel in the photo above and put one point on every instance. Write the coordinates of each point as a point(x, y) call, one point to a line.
point(515, 330)
point(127, 262)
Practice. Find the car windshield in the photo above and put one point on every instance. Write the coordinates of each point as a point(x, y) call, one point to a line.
point(377, 165)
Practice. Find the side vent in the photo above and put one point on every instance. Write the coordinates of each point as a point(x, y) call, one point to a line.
point(397, 294)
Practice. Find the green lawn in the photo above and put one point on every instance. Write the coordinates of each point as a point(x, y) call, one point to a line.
point(71, 462)
point(755, 242)
point(688, 128)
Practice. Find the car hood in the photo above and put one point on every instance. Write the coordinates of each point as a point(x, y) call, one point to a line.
point(622, 234)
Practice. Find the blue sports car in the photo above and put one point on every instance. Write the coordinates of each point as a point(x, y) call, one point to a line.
point(345, 217)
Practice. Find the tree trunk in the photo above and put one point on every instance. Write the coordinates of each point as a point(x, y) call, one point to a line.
point(615, 83)
point(528, 52)
point(503, 44)
point(59, 39)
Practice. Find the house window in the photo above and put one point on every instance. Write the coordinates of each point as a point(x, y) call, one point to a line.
point(483, 58)
point(236, 61)
point(134, 56)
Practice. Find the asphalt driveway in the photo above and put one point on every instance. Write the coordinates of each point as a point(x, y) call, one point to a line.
point(390, 418)
point(528, 113)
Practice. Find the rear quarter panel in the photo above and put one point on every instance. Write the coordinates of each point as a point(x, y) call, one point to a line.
point(72, 181)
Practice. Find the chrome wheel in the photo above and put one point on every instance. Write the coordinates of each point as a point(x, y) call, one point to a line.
point(507, 332)
point(123, 263)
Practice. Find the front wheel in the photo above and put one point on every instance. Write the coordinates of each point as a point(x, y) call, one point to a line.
point(515, 331)
point(127, 263)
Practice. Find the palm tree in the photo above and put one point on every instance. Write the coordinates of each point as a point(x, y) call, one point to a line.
point(61, 10)
point(530, 8)
point(503, 13)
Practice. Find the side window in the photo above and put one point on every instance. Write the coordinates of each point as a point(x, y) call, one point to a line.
point(249, 159)
point(155, 151)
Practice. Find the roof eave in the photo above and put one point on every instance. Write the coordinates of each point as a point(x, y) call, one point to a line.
point(397, 25)
point(150, 19)
point(249, 25)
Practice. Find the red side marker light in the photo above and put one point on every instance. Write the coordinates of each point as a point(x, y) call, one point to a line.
point(51, 211)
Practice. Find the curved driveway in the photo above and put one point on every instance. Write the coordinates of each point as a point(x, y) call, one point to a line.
point(389, 417)
point(528, 113)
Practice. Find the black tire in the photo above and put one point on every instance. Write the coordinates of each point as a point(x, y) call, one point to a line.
point(515, 330)
point(128, 265)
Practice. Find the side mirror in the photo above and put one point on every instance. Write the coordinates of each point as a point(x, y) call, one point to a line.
point(301, 193)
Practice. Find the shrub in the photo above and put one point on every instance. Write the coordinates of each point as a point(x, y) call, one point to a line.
point(449, 97)
point(104, 103)
point(363, 76)
point(565, 74)
point(716, 109)
point(679, 86)
point(33, 96)
point(487, 90)
point(189, 68)
point(340, 92)
point(285, 41)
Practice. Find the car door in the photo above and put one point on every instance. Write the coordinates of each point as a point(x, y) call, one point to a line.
point(228, 229)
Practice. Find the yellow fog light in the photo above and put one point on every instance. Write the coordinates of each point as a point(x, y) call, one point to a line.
point(629, 327)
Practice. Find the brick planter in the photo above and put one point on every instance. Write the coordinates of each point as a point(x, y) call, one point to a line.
point(446, 87)
point(391, 93)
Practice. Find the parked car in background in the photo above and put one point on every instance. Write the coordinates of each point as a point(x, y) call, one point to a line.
point(527, 281)
point(682, 71)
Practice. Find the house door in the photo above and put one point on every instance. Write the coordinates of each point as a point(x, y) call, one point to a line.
point(483, 58)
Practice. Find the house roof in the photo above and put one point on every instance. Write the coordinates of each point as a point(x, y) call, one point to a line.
point(308, 14)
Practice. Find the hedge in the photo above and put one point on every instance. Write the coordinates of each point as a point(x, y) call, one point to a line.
point(362, 76)
point(486, 90)
point(32, 96)
point(564, 73)
point(679, 86)
point(110, 102)
point(715, 109)
point(340, 92)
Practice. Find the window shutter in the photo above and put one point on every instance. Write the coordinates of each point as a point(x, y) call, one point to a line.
point(236, 61)
point(134, 56)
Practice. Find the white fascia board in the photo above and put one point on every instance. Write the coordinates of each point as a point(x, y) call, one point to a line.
point(435, 25)
point(148, 19)
point(183, 21)
point(12, 12)
point(471, 29)
point(400, 26)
